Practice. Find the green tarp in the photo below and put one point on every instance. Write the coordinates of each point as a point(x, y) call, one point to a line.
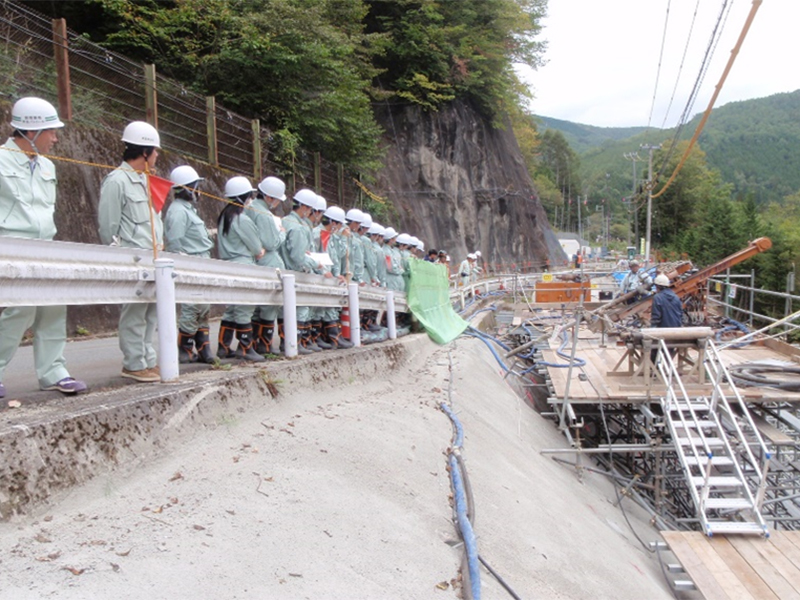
point(429, 301)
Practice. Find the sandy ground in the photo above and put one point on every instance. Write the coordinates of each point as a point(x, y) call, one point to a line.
point(341, 494)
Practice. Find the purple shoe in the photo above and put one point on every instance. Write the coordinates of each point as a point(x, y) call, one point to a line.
point(2, 391)
point(68, 385)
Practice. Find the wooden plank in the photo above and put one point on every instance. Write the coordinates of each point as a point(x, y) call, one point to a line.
point(749, 578)
point(792, 536)
point(765, 568)
point(768, 430)
point(725, 576)
point(703, 578)
point(784, 544)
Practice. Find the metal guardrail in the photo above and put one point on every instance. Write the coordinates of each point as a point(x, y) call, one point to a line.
point(42, 273)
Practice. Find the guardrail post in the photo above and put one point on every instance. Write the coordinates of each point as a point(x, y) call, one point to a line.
point(355, 315)
point(391, 324)
point(167, 321)
point(289, 315)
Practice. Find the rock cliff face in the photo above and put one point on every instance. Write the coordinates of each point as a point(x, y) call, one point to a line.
point(461, 185)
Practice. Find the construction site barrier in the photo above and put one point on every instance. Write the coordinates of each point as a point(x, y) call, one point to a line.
point(429, 300)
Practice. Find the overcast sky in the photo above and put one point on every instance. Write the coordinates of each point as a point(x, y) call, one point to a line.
point(603, 58)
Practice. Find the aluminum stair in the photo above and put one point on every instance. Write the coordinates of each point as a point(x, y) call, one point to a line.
point(722, 454)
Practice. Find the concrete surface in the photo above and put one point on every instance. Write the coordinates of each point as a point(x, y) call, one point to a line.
point(336, 488)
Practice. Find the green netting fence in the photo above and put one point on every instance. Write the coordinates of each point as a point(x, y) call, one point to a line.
point(429, 301)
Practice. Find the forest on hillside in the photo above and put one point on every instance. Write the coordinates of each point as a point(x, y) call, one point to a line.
point(311, 70)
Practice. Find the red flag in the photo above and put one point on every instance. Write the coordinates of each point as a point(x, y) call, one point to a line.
point(159, 190)
point(388, 262)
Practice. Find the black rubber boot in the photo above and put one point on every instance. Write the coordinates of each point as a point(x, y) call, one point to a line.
point(246, 348)
point(316, 335)
point(302, 341)
point(226, 331)
point(203, 344)
point(185, 347)
point(282, 346)
point(308, 341)
point(335, 336)
point(267, 331)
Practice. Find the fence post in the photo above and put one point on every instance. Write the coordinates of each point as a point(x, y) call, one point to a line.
point(752, 294)
point(211, 129)
point(355, 315)
point(61, 55)
point(256, 126)
point(391, 323)
point(340, 183)
point(317, 173)
point(289, 315)
point(150, 95)
point(167, 322)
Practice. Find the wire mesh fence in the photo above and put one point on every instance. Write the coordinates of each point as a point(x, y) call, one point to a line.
point(107, 90)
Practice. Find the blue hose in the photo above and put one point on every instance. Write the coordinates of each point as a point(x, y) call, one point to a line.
point(460, 497)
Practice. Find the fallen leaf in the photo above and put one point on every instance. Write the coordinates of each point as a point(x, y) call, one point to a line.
point(14, 404)
point(173, 500)
point(49, 557)
point(42, 538)
point(295, 575)
point(236, 459)
point(115, 566)
point(74, 570)
point(198, 528)
point(48, 518)
point(158, 510)
point(177, 476)
point(442, 585)
point(124, 553)
point(437, 390)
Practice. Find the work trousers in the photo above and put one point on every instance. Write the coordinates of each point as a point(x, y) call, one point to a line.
point(241, 314)
point(49, 325)
point(137, 325)
point(268, 313)
point(192, 317)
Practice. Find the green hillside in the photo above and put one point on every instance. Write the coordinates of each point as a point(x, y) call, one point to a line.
point(586, 137)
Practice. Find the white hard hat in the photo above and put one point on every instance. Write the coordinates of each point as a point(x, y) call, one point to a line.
point(414, 240)
point(34, 114)
point(238, 186)
point(389, 233)
point(322, 204)
point(421, 245)
point(478, 253)
point(367, 221)
point(183, 175)
point(375, 228)
point(662, 280)
point(404, 239)
point(334, 213)
point(471, 256)
point(306, 197)
point(355, 215)
point(141, 134)
point(273, 187)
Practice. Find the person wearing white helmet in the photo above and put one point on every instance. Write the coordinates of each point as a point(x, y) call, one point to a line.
point(295, 252)
point(370, 261)
point(320, 246)
point(404, 241)
point(394, 268)
point(476, 269)
point(126, 219)
point(270, 193)
point(465, 269)
point(27, 205)
point(186, 233)
point(335, 220)
point(355, 249)
point(636, 280)
point(375, 233)
point(238, 241)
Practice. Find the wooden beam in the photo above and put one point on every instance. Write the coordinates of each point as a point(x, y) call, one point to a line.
point(150, 95)
point(61, 55)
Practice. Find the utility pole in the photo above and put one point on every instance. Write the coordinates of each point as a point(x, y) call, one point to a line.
point(650, 149)
point(633, 157)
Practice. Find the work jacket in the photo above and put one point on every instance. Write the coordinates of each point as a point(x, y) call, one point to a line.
point(27, 194)
point(185, 231)
point(667, 309)
point(124, 212)
point(241, 244)
point(380, 263)
point(370, 260)
point(271, 237)
point(394, 269)
point(299, 242)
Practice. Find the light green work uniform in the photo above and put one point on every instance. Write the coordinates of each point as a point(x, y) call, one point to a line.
point(123, 216)
point(271, 239)
point(240, 245)
point(370, 262)
point(405, 257)
point(380, 263)
point(299, 241)
point(185, 232)
point(356, 250)
point(394, 269)
point(27, 204)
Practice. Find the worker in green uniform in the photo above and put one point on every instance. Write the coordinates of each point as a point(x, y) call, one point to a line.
point(238, 241)
point(186, 233)
point(337, 250)
point(126, 219)
point(269, 195)
point(320, 235)
point(27, 205)
point(295, 253)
